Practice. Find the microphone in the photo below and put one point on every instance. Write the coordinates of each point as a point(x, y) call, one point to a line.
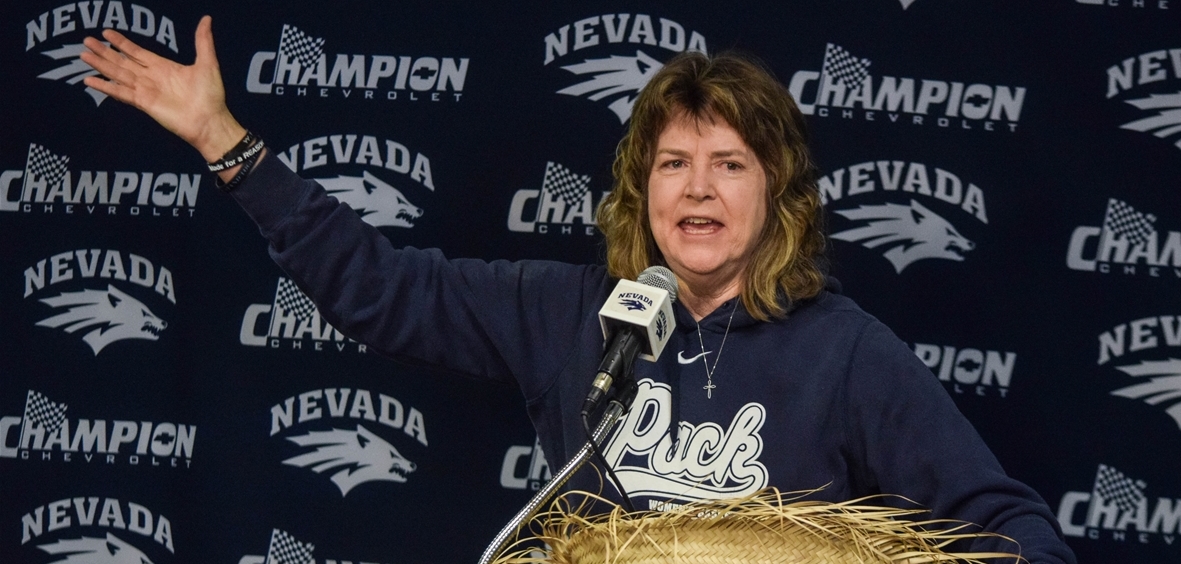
point(637, 320)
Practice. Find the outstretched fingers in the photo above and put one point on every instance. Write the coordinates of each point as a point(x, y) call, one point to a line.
point(104, 59)
point(110, 64)
point(130, 50)
point(132, 73)
point(188, 100)
point(110, 88)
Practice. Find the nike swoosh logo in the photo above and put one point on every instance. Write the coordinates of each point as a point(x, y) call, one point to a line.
point(681, 357)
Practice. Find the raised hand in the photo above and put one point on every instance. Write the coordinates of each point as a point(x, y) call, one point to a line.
point(188, 100)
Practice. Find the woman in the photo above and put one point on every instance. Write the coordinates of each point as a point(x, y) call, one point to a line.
point(775, 380)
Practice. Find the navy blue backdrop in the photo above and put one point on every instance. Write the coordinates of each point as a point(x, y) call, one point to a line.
point(1001, 182)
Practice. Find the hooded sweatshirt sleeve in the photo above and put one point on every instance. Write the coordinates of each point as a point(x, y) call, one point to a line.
point(916, 443)
point(489, 320)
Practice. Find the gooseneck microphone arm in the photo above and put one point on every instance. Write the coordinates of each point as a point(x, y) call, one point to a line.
point(637, 320)
point(611, 415)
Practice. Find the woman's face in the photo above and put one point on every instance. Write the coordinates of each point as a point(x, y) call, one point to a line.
point(706, 201)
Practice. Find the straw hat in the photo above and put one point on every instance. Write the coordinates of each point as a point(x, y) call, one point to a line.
point(766, 527)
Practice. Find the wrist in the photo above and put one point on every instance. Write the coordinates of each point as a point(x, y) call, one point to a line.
point(247, 148)
point(218, 138)
point(228, 179)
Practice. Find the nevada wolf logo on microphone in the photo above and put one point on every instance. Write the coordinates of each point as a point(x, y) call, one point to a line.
point(914, 232)
point(364, 456)
point(117, 315)
point(378, 203)
point(632, 304)
point(614, 76)
point(95, 550)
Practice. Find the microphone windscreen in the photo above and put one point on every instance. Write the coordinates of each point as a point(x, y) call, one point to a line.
point(660, 277)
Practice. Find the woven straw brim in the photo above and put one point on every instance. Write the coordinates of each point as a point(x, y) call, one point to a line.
point(707, 542)
point(757, 529)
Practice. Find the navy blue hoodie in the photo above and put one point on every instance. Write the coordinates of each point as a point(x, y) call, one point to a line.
point(826, 397)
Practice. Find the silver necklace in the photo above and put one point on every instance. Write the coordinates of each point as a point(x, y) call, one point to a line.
point(709, 372)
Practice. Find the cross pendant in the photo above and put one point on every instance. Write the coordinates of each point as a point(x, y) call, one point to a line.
point(709, 389)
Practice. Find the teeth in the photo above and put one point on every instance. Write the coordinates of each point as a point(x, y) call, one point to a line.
point(698, 220)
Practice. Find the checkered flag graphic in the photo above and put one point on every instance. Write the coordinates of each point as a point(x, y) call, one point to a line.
point(285, 549)
point(44, 164)
point(289, 297)
point(300, 46)
point(1122, 219)
point(1113, 485)
point(844, 67)
point(563, 182)
point(49, 415)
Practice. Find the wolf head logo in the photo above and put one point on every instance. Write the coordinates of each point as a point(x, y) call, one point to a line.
point(914, 232)
point(615, 76)
point(379, 204)
point(74, 70)
point(118, 316)
point(95, 550)
point(632, 304)
point(361, 456)
point(1165, 388)
point(1166, 122)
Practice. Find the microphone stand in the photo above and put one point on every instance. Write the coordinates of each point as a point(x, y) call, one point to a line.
point(614, 410)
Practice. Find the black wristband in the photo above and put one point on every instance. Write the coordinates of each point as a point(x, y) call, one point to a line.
point(238, 154)
point(247, 166)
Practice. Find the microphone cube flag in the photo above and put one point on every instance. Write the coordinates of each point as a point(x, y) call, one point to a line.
point(648, 308)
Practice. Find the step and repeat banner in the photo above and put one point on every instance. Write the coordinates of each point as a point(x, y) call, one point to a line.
point(1001, 181)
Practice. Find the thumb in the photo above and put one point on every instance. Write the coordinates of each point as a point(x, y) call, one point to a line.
point(203, 41)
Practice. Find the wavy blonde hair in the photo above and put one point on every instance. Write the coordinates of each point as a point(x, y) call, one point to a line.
point(788, 260)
